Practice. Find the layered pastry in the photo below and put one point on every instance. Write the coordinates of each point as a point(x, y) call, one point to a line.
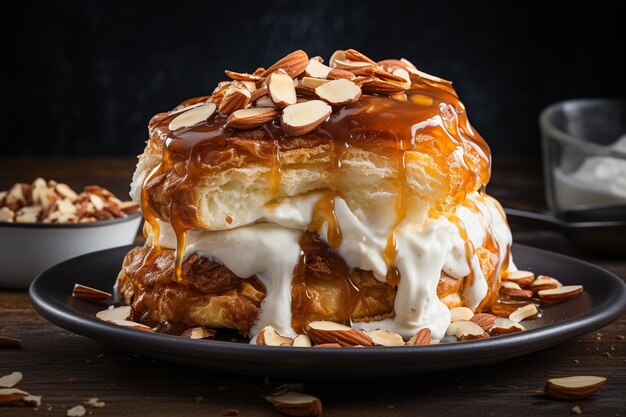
point(352, 192)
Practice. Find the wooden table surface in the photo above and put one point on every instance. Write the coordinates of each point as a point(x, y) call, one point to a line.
point(68, 369)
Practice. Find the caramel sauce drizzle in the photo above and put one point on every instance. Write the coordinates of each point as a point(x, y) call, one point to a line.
point(431, 121)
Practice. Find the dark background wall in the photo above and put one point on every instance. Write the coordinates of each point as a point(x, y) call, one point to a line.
point(84, 77)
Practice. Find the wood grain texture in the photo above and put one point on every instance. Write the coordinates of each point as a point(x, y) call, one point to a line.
point(68, 369)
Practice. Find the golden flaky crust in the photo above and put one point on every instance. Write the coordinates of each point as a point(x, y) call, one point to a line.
point(213, 296)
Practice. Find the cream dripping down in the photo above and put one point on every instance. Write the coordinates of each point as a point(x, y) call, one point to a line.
point(269, 249)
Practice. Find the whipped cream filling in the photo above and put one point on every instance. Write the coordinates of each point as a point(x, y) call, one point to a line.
point(269, 249)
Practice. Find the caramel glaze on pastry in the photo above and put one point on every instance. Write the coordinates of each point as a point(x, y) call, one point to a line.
point(399, 155)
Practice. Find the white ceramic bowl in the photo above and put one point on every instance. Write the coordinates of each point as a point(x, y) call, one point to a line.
point(28, 249)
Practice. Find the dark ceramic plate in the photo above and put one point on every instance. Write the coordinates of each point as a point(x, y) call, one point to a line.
point(603, 301)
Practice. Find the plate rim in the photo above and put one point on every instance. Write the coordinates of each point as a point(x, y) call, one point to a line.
point(470, 353)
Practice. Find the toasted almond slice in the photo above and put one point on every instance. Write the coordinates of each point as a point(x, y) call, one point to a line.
point(251, 117)
point(257, 94)
point(327, 345)
point(544, 283)
point(404, 74)
point(339, 92)
point(348, 65)
point(32, 400)
point(76, 411)
point(198, 333)
point(560, 294)
point(93, 402)
point(236, 97)
point(422, 74)
point(421, 338)
point(281, 89)
point(92, 295)
point(296, 404)
point(421, 99)
point(66, 191)
point(117, 313)
point(316, 69)
point(302, 340)
point(6, 341)
point(377, 86)
point(484, 320)
point(265, 101)
point(11, 395)
point(268, 336)
point(354, 55)
point(11, 380)
point(317, 58)
point(523, 313)
point(336, 74)
point(330, 332)
point(293, 64)
point(338, 54)
point(365, 72)
point(242, 76)
point(502, 328)
point(192, 117)
point(400, 97)
point(312, 83)
point(466, 330)
point(522, 278)
point(6, 214)
point(129, 207)
point(381, 337)
point(512, 289)
point(460, 313)
point(132, 325)
point(409, 65)
point(574, 387)
point(302, 118)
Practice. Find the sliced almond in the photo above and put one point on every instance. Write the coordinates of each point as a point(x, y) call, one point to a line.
point(268, 336)
point(129, 207)
point(512, 289)
point(242, 76)
point(377, 86)
point(422, 74)
point(339, 92)
point(560, 294)
point(11, 395)
point(281, 89)
point(198, 333)
point(251, 118)
point(117, 313)
point(330, 332)
point(354, 55)
point(92, 295)
point(348, 65)
point(293, 64)
point(302, 340)
point(327, 345)
point(236, 97)
point(11, 380)
point(523, 313)
point(32, 400)
point(336, 74)
point(484, 320)
point(257, 94)
point(6, 341)
point(265, 101)
point(317, 70)
point(302, 118)
point(404, 74)
point(421, 338)
point(466, 330)
point(460, 313)
point(76, 411)
point(192, 117)
point(382, 337)
point(505, 326)
point(93, 402)
point(544, 283)
point(574, 387)
point(522, 278)
point(296, 404)
point(132, 325)
point(312, 83)
point(6, 214)
point(339, 54)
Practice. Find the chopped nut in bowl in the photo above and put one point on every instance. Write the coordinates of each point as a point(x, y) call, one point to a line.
point(45, 222)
